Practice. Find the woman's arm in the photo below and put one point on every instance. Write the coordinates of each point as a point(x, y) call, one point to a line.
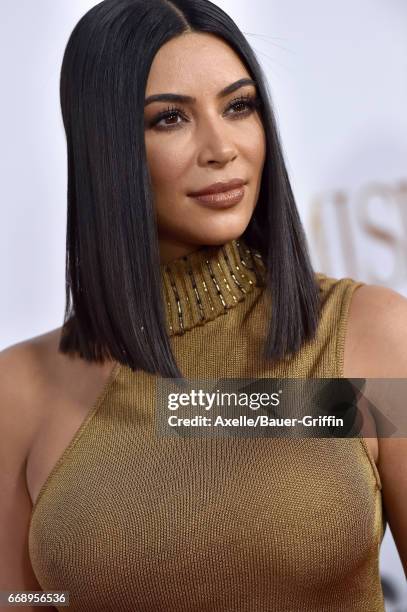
point(376, 347)
point(18, 421)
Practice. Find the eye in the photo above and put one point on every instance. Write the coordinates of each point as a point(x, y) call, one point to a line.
point(242, 107)
point(169, 114)
point(245, 105)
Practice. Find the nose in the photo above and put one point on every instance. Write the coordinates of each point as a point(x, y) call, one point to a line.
point(215, 143)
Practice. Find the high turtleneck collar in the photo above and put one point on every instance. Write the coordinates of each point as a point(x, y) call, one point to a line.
point(206, 283)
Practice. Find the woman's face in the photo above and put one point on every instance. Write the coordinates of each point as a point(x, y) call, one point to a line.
point(192, 144)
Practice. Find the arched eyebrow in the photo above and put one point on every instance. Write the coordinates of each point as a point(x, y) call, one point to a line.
point(183, 99)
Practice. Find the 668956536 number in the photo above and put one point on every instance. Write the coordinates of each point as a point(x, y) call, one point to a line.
point(34, 598)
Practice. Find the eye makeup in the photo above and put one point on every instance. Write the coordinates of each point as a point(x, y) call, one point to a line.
point(249, 103)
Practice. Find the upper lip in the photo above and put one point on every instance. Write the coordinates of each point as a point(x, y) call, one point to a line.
point(219, 187)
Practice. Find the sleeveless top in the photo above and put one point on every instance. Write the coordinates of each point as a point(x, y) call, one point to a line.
point(130, 521)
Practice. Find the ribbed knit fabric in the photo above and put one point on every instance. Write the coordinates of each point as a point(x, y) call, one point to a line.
point(130, 521)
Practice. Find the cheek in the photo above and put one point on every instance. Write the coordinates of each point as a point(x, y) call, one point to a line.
point(167, 162)
point(255, 147)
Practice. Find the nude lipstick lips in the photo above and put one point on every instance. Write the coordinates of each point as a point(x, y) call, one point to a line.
point(221, 195)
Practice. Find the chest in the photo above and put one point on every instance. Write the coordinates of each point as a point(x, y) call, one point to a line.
point(158, 513)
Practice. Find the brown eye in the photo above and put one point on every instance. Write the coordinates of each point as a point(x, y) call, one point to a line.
point(170, 114)
point(245, 105)
point(167, 120)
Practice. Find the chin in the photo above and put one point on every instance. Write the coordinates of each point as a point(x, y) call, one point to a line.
point(222, 232)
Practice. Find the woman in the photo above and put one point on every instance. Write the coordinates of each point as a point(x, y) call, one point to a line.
point(167, 277)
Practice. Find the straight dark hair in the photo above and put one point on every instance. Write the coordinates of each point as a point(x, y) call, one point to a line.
point(114, 302)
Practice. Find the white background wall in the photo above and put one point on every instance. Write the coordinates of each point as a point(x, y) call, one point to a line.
point(338, 76)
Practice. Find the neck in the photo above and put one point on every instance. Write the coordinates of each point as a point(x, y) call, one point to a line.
point(170, 251)
point(207, 282)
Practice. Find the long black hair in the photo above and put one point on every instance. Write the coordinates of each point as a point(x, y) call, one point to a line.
point(113, 278)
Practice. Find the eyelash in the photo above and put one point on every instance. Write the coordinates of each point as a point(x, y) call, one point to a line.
point(252, 103)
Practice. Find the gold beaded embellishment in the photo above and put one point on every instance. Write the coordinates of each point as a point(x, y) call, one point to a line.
point(232, 274)
point(179, 309)
point(219, 292)
point(240, 278)
point(255, 257)
point(198, 297)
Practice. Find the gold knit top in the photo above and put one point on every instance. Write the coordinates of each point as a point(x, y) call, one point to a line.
point(134, 522)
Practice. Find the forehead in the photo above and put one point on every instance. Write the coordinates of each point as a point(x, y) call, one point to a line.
point(194, 61)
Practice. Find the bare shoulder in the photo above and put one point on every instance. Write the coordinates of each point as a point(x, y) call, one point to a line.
point(24, 364)
point(22, 353)
point(44, 395)
point(23, 379)
point(376, 337)
point(376, 347)
point(34, 375)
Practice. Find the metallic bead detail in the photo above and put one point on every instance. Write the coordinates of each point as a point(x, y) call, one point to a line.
point(197, 296)
point(251, 254)
point(232, 274)
point(169, 310)
point(209, 295)
point(234, 298)
point(191, 300)
point(179, 309)
point(219, 292)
